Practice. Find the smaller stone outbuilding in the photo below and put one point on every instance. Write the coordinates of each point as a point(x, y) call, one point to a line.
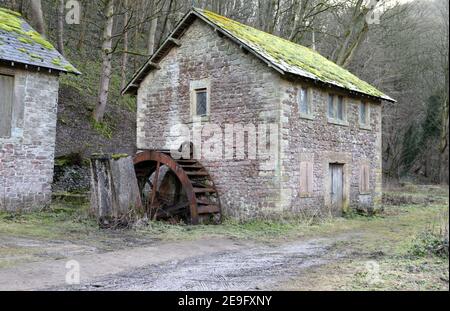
point(29, 80)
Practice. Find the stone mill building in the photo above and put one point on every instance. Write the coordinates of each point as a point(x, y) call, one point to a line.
point(29, 71)
point(324, 123)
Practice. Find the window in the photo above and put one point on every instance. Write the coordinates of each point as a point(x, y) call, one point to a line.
point(337, 108)
point(6, 104)
point(201, 102)
point(340, 108)
point(364, 114)
point(331, 106)
point(306, 179)
point(364, 183)
point(304, 102)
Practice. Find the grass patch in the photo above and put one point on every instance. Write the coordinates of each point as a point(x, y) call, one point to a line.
point(105, 128)
point(408, 244)
point(61, 221)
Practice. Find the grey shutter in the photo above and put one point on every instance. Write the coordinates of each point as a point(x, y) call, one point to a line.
point(6, 104)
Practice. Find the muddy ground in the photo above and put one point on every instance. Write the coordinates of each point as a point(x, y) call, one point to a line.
point(383, 252)
point(249, 268)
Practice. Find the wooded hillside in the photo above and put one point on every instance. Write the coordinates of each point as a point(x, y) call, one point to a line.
point(400, 48)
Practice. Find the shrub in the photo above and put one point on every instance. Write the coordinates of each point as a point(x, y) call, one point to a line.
point(434, 241)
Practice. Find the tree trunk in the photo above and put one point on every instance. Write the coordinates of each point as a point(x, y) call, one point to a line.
point(152, 36)
point(61, 7)
point(125, 47)
point(38, 16)
point(354, 35)
point(83, 25)
point(105, 76)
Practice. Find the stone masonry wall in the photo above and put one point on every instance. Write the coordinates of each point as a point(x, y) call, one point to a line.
point(243, 90)
point(318, 141)
point(27, 157)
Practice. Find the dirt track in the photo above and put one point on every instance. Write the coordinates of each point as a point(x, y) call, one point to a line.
point(216, 264)
point(247, 268)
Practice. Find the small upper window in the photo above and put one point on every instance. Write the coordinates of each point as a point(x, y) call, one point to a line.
point(336, 108)
point(6, 104)
point(200, 91)
point(364, 114)
point(201, 101)
point(331, 106)
point(340, 108)
point(304, 98)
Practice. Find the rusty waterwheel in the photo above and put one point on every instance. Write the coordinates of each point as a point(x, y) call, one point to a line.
point(176, 189)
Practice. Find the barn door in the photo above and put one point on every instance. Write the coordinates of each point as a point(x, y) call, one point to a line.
point(337, 189)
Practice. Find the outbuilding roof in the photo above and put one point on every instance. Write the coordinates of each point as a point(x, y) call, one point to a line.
point(284, 56)
point(21, 44)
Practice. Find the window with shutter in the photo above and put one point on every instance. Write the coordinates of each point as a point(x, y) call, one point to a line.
point(6, 104)
point(364, 186)
point(306, 179)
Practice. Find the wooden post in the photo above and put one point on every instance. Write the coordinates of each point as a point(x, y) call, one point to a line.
point(115, 196)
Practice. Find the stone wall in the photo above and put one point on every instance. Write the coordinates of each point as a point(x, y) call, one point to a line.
point(244, 90)
point(27, 157)
point(321, 142)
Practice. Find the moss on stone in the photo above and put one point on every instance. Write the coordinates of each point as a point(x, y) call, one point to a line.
point(12, 22)
point(26, 40)
point(119, 156)
point(36, 57)
point(23, 50)
point(291, 55)
point(57, 61)
point(70, 68)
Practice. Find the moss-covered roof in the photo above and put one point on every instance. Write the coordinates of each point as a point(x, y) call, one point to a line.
point(284, 55)
point(19, 43)
point(291, 57)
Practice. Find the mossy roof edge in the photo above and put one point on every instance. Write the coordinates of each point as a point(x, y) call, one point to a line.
point(291, 57)
point(21, 44)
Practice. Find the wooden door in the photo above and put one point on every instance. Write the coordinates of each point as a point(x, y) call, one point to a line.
point(337, 188)
point(6, 104)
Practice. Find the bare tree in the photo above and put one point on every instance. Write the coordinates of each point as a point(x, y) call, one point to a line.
point(105, 76)
point(61, 26)
point(38, 16)
point(126, 20)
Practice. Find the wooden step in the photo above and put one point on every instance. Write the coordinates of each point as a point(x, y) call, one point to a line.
point(183, 161)
point(204, 190)
point(191, 166)
point(203, 173)
point(208, 209)
point(199, 185)
point(205, 202)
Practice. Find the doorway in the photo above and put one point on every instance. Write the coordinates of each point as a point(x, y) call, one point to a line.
point(337, 188)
